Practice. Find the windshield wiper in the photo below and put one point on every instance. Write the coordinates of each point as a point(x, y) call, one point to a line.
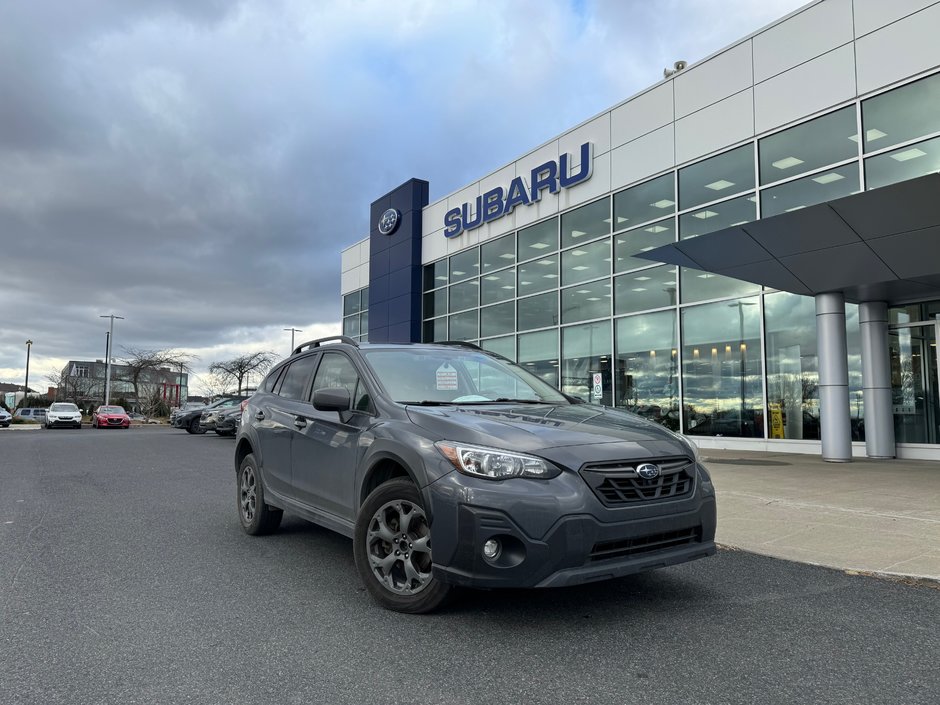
point(427, 402)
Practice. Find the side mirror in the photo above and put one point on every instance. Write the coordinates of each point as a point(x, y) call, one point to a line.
point(332, 399)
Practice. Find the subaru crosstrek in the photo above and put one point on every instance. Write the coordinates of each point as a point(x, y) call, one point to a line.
point(451, 466)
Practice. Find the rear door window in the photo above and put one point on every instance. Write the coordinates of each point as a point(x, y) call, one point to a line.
point(295, 381)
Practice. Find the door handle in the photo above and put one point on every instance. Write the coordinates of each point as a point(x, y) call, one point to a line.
point(300, 422)
point(259, 415)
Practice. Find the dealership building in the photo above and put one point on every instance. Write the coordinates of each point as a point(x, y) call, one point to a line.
point(747, 252)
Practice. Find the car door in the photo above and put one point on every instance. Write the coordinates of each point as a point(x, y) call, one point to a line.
point(274, 422)
point(325, 450)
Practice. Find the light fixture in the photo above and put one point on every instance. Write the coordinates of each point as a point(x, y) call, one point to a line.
point(577, 233)
point(908, 154)
point(787, 163)
point(656, 229)
point(639, 288)
point(491, 549)
point(828, 178)
point(491, 278)
point(795, 208)
point(457, 273)
point(539, 245)
point(578, 253)
point(584, 291)
point(546, 261)
point(593, 298)
point(664, 203)
point(510, 286)
point(870, 135)
point(508, 255)
point(549, 276)
point(719, 185)
point(642, 279)
point(705, 275)
point(702, 215)
point(580, 268)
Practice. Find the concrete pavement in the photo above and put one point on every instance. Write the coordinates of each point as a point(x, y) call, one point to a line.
point(880, 516)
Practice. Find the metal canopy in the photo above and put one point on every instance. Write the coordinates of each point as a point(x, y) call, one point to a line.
point(881, 245)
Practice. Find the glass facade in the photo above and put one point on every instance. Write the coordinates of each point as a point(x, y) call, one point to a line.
point(356, 314)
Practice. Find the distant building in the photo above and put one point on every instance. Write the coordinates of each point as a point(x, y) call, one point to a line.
point(83, 382)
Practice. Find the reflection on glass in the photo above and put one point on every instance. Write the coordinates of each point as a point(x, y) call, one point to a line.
point(645, 202)
point(721, 369)
point(718, 216)
point(538, 275)
point(464, 265)
point(463, 326)
point(646, 289)
point(538, 311)
point(826, 140)
point(498, 286)
point(435, 330)
point(724, 175)
point(586, 362)
point(351, 303)
point(903, 164)
point(364, 323)
point(464, 296)
point(647, 367)
point(702, 286)
point(853, 344)
point(792, 366)
point(586, 222)
point(435, 303)
point(435, 274)
point(905, 113)
point(538, 353)
point(585, 301)
point(641, 239)
point(809, 191)
point(365, 299)
point(585, 262)
point(497, 320)
point(497, 254)
point(539, 239)
point(505, 346)
point(351, 326)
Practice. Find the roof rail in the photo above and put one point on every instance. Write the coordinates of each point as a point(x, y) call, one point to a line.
point(316, 343)
point(458, 343)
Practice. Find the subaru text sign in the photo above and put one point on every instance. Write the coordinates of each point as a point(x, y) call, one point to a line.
point(497, 202)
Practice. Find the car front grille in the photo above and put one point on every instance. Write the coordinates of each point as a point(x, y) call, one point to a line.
point(645, 544)
point(115, 422)
point(617, 484)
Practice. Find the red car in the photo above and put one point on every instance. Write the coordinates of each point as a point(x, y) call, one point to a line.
point(110, 417)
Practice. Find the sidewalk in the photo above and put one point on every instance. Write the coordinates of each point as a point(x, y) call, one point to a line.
point(878, 516)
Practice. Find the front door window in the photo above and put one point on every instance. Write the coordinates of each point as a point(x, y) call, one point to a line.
point(914, 383)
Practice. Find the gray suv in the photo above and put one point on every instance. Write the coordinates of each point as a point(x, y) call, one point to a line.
point(514, 484)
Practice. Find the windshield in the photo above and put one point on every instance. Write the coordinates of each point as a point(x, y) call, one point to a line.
point(63, 407)
point(458, 376)
point(111, 410)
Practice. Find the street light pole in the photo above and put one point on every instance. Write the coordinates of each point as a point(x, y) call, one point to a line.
point(292, 331)
point(107, 381)
point(29, 346)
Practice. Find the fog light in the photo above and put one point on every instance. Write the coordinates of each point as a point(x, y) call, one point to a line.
point(491, 549)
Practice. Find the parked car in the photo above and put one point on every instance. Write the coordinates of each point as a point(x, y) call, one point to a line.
point(63, 414)
point(37, 414)
point(110, 417)
point(5, 418)
point(187, 406)
point(190, 419)
point(228, 421)
point(514, 483)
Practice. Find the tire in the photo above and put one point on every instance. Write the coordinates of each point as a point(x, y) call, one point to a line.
point(256, 517)
point(194, 427)
point(396, 574)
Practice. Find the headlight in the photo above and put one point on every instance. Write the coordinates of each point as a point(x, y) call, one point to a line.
point(495, 464)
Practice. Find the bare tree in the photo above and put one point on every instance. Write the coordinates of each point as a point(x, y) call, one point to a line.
point(151, 372)
point(236, 370)
point(73, 387)
point(211, 385)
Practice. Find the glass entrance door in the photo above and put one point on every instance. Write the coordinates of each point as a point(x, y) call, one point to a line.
point(914, 382)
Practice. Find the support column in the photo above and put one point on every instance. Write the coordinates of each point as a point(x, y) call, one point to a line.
point(834, 418)
point(876, 380)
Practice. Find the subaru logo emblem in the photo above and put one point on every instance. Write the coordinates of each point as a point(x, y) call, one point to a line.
point(389, 221)
point(648, 471)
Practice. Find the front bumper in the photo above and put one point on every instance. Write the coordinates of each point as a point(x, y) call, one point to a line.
point(65, 423)
point(555, 532)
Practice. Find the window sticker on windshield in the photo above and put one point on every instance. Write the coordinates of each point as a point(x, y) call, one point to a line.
point(446, 378)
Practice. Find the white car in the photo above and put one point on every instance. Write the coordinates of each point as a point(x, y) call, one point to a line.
point(64, 414)
point(5, 418)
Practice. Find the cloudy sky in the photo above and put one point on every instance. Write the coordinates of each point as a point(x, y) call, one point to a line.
point(196, 165)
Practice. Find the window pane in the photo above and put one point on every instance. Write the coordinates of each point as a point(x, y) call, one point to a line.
point(464, 296)
point(351, 303)
point(435, 330)
point(363, 323)
point(809, 191)
point(294, 384)
point(464, 265)
point(538, 275)
point(351, 325)
point(903, 114)
point(337, 372)
point(538, 311)
point(728, 173)
point(538, 353)
point(498, 253)
point(586, 262)
point(792, 366)
point(717, 216)
point(505, 346)
point(584, 302)
point(463, 326)
point(721, 370)
point(701, 286)
point(902, 164)
point(586, 222)
point(586, 353)
point(646, 289)
point(853, 344)
point(435, 303)
point(641, 240)
point(497, 320)
point(498, 286)
point(539, 239)
point(647, 367)
point(435, 275)
point(825, 140)
point(645, 202)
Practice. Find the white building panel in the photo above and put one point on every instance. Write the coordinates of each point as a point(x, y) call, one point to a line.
point(642, 115)
point(804, 36)
point(432, 217)
point(350, 280)
point(433, 246)
point(715, 127)
point(875, 14)
point(548, 205)
point(364, 252)
point(506, 223)
point(899, 50)
point(596, 131)
point(462, 241)
point(349, 258)
point(363, 275)
point(597, 185)
point(809, 88)
point(709, 82)
point(643, 157)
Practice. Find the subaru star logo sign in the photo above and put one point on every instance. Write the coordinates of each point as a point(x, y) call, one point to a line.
point(389, 221)
point(648, 471)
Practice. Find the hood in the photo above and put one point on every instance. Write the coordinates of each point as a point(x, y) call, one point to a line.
point(599, 433)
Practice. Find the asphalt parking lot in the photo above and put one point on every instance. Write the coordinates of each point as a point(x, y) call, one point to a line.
point(125, 578)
